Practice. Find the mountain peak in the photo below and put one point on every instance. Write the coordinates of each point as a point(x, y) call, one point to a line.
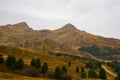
point(69, 26)
point(21, 26)
point(66, 28)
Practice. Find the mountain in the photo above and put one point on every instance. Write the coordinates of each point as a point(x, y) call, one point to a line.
point(66, 39)
point(63, 47)
point(72, 36)
point(22, 26)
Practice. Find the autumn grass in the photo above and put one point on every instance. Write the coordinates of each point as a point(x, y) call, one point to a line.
point(52, 60)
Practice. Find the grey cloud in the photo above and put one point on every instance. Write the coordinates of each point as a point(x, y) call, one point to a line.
point(100, 17)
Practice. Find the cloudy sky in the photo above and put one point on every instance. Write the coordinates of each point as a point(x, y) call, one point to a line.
point(100, 17)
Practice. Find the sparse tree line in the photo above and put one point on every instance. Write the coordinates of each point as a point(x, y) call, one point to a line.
point(92, 66)
point(100, 51)
point(37, 69)
point(13, 64)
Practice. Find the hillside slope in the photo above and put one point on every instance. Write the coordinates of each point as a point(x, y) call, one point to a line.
point(66, 39)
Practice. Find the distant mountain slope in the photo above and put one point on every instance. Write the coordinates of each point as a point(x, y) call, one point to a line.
point(72, 36)
point(67, 39)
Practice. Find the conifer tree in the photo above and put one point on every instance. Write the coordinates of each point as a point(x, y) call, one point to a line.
point(77, 69)
point(118, 76)
point(1, 59)
point(64, 69)
point(44, 68)
point(83, 73)
point(20, 63)
point(38, 64)
point(58, 73)
point(92, 74)
point(33, 62)
point(10, 62)
point(102, 73)
point(69, 63)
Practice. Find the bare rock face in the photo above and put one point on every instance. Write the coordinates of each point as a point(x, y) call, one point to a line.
point(22, 26)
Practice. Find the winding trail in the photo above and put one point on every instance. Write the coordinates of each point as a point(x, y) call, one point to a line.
point(109, 72)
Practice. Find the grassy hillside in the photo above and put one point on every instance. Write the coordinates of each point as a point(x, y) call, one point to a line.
point(52, 60)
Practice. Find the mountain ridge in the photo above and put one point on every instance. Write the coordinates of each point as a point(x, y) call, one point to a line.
point(65, 39)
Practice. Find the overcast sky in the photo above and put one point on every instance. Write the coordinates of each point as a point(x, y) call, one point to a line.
point(100, 17)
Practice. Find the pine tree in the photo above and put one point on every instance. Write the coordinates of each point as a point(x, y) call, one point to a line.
point(38, 64)
point(64, 69)
point(10, 62)
point(92, 74)
point(58, 73)
point(33, 62)
point(90, 65)
point(77, 69)
point(83, 73)
point(118, 76)
point(102, 73)
point(82, 69)
point(1, 59)
point(69, 63)
point(20, 63)
point(44, 68)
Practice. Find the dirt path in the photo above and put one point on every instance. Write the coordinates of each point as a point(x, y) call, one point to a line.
point(109, 72)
